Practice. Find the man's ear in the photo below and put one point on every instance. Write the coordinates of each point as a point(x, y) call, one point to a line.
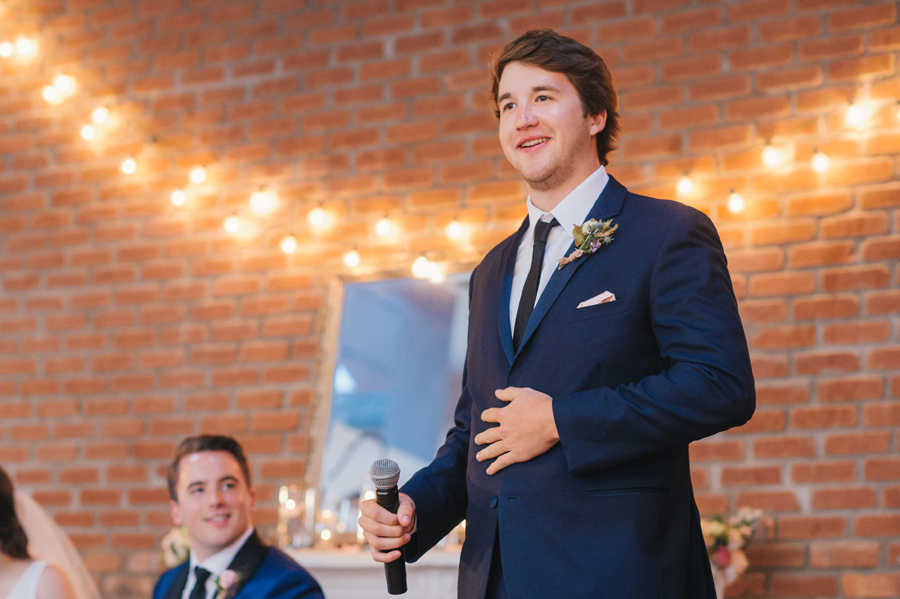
point(597, 122)
point(176, 513)
point(253, 500)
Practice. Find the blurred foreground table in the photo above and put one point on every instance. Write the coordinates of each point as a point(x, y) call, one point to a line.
point(352, 573)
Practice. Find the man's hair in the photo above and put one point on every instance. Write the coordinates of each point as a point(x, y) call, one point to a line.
point(13, 540)
point(200, 443)
point(586, 71)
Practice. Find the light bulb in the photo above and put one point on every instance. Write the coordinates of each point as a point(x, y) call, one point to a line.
point(325, 534)
point(232, 224)
point(88, 132)
point(6, 49)
point(316, 217)
point(64, 84)
point(179, 197)
point(384, 227)
point(736, 203)
point(129, 165)
point(288, 244)
point(351, 258)
point(685, 185)
point(51, 94)
point(263, 202)
point(857, 115)
point(198, 174)
point(772, 156)
point(454, 229)
point(25, 46)
point(100, 115)
point(820, 161)
point(421, 267)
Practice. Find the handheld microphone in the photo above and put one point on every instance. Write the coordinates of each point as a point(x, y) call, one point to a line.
point(385, 474)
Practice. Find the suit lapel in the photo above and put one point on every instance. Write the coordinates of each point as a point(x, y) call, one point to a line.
point(247, 561)
point(508, 268)
point(176, 589)
point(608, 205)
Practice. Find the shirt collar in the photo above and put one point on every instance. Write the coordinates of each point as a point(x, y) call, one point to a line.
point(219, 562)
point(574, 208)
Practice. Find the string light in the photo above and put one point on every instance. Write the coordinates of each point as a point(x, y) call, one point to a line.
point(263, 202)
point(820, 161)
point(772, 156)
point(423, 268)
point(316, 216)
point(232, 224)
point(52, 95)
point(685, 185)
point(198, 174)
point(736, 203)
point(6, 49)
point(384, 227)
point(454, 229)
point(100, 115)
point(64, 84)
point(288, 244)
point(325, 534)
point(858, 115)
point(129, 165)
point(88, 132)
point(351, 258)
point(26, 47)
point(179, 197)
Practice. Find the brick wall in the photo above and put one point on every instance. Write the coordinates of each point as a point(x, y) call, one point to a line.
point(128, 323)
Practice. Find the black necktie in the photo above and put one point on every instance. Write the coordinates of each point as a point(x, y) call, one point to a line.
point(529, 291)
point(199, 590)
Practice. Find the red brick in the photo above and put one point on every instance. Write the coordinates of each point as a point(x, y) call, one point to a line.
point(778, 394)
point(882, 469)
point(862, 17)
point(751, 475)
point(706, 450)
point(784, 337)
point(870, 585)
point(820, 254)
point(805, 527)
point(855, 278)
point(824, 307)
point(781, 555)
point(797, 585)
point(857, 443)
point(884, 359)
point(820, 472)
point(819, 204)
point(882, 413)
point(822, 417)
point(843, 498)
point(877, 525)
point(774, 501)
point(845, 554)
point(784, 447)
point(816, 363)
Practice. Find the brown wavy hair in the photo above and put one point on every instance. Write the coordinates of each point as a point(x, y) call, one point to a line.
point(546, 49)
point(13, 540)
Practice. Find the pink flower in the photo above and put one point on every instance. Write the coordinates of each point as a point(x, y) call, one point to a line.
point(227, 579)
point(722, 557)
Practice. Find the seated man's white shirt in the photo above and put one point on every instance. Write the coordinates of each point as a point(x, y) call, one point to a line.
point(215, 564)
point(571, 211)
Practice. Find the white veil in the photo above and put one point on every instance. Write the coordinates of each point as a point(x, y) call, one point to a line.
point(48, 542)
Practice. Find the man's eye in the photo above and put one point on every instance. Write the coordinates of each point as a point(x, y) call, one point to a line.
point(196, 490)
point(509, 106)
point(543, 98)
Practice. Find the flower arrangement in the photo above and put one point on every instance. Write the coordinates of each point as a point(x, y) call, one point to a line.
point(589, 237)
point(176, 546)
point(725, 541)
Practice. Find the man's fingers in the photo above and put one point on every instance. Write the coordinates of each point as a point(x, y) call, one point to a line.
point(384, 558)
point(385, 543)
point(406, 513)
point(491, 415)
point(507, 394)
point(491, 435)
point(378, 514)
point(500, 463)
point(491, 451)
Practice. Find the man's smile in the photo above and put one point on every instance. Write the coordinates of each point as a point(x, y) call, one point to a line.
point(532, 142)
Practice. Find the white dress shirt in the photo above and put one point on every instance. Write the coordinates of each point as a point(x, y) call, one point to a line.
point(571, 211)
point(215, 564)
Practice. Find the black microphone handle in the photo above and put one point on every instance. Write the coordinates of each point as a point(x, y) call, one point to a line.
point(395, 571)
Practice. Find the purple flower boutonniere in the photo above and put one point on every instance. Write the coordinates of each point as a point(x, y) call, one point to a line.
point(589, 237)
point(226, 583)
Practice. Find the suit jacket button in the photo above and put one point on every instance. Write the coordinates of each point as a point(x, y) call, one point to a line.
point(494, 502)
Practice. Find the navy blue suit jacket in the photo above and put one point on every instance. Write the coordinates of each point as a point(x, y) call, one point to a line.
point(609, 511)
point(265, 573)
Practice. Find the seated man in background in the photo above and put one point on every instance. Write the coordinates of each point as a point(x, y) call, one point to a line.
point(211, 492)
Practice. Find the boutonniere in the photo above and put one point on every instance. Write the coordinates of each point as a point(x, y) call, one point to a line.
point(589, 237)
point(176, 547)
point(226, 582)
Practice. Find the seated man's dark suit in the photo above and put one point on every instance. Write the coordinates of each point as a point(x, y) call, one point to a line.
point(265, 573)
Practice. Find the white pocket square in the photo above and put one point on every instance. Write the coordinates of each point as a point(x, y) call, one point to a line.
point(603, 298)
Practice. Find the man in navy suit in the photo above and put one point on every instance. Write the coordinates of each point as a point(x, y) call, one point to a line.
point(585, 379)
point(209, 484)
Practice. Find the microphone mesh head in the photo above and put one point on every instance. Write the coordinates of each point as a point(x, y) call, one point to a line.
point(384, 474)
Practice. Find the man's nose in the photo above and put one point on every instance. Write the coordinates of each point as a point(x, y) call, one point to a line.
point(525, 116)
point(215, 497)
